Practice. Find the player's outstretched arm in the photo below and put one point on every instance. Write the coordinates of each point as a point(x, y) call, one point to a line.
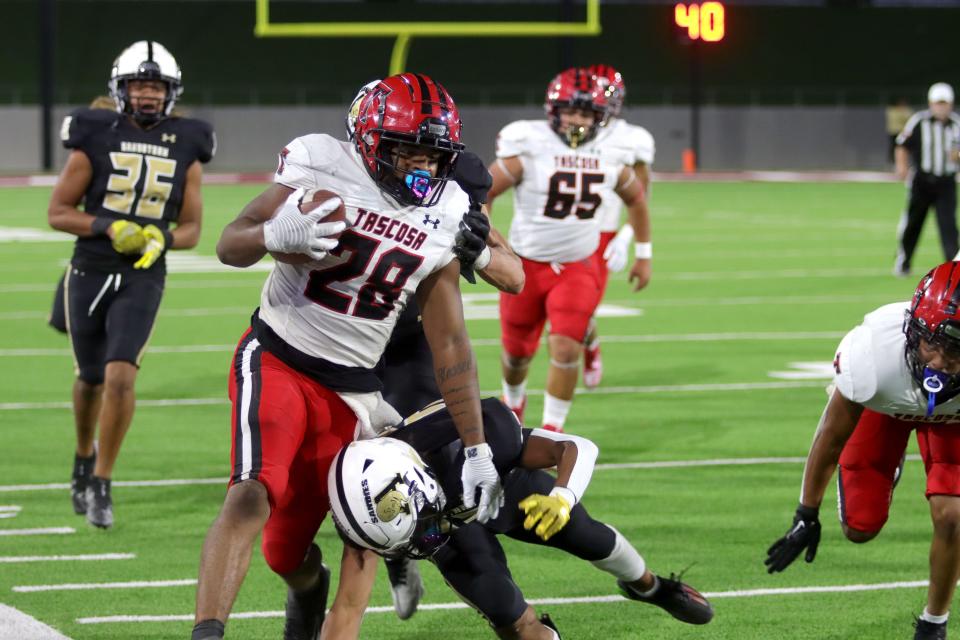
point(574, 458)
point(837, 423)
point(456, 373)
point(358, 569)
point(506, 172)
point(62, 212)
point(631, 191)
point(241, 243)
point(504, 271)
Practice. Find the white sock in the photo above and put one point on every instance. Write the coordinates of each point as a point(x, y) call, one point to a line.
point(624, 562)
point(929, 617)
point(514, 394)
point(555, 410)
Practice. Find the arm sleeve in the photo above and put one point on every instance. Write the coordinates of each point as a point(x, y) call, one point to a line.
point(587, 453)
point(855, 372)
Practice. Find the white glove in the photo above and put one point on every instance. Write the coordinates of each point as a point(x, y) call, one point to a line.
point(290, 231)
point(618, 250)
point(478, 471)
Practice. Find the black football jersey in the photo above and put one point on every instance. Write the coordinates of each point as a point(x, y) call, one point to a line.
point(138, 174)
point(432, 433)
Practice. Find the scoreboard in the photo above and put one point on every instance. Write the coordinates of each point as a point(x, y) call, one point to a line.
point(702, 21)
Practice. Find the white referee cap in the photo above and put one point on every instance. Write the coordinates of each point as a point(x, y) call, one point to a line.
point(940, 92)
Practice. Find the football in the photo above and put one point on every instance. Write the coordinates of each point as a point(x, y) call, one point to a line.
point(310, 201)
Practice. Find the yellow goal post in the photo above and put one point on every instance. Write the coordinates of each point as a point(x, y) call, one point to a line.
point(405, 31)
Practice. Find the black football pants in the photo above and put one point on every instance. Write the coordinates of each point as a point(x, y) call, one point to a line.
point(940, 193)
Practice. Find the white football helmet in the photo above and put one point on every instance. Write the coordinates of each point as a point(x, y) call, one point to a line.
point(383, 497)
point(145, 60)
point(354, 110)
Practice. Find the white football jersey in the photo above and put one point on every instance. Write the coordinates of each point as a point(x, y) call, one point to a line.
point(343, 308)
point(870, 369)
point(637, 145)
point(556, 203)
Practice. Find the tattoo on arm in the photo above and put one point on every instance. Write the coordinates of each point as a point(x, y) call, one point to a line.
point(446, 373)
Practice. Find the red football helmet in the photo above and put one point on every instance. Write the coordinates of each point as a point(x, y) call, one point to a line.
point(408, 109)
point(579, 89)
point(613, 86)
point(934, 316)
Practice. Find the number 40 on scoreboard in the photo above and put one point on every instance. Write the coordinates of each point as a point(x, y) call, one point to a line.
point(704, 21)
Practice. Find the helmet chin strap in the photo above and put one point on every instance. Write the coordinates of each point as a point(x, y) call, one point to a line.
point(933, 383)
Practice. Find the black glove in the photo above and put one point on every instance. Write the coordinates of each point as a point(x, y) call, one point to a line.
point(804, 534)
point(471, 241)
point(472, 176)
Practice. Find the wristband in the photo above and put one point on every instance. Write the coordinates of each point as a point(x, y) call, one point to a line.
point(477, 451)
point(167, 239)
point(483, 260)
point(566, 494)
point(100, 225)
point(643, 250)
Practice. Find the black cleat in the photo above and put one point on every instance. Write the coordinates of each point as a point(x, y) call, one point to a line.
point(99, 503)
point(548, 623)
point(305, 611)
point(678, 599)
point(929, 630)
point(82, 470)
point(406, 585)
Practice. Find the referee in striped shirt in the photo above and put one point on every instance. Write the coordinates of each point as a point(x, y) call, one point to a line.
point(927, 155)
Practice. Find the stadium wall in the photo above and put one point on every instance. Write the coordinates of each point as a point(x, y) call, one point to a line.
point(732, 138)
point(776, 56)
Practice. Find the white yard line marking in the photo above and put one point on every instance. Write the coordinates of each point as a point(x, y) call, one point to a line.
point(666, 388)
point(16, 625)
point(607, 466)
point(117, 483)
point(44, 531)
point(83, 586)
point(9, 511)
point(805, 371)
point(749, 593)
point(90, 557)
point(171, 402)
point(776, 274)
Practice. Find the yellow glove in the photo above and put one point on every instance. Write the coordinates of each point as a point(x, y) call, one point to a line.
point(127, 237)
point(552, 512)
point(156, 243)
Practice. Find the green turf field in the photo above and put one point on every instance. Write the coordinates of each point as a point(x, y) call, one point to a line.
point(748, 279)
